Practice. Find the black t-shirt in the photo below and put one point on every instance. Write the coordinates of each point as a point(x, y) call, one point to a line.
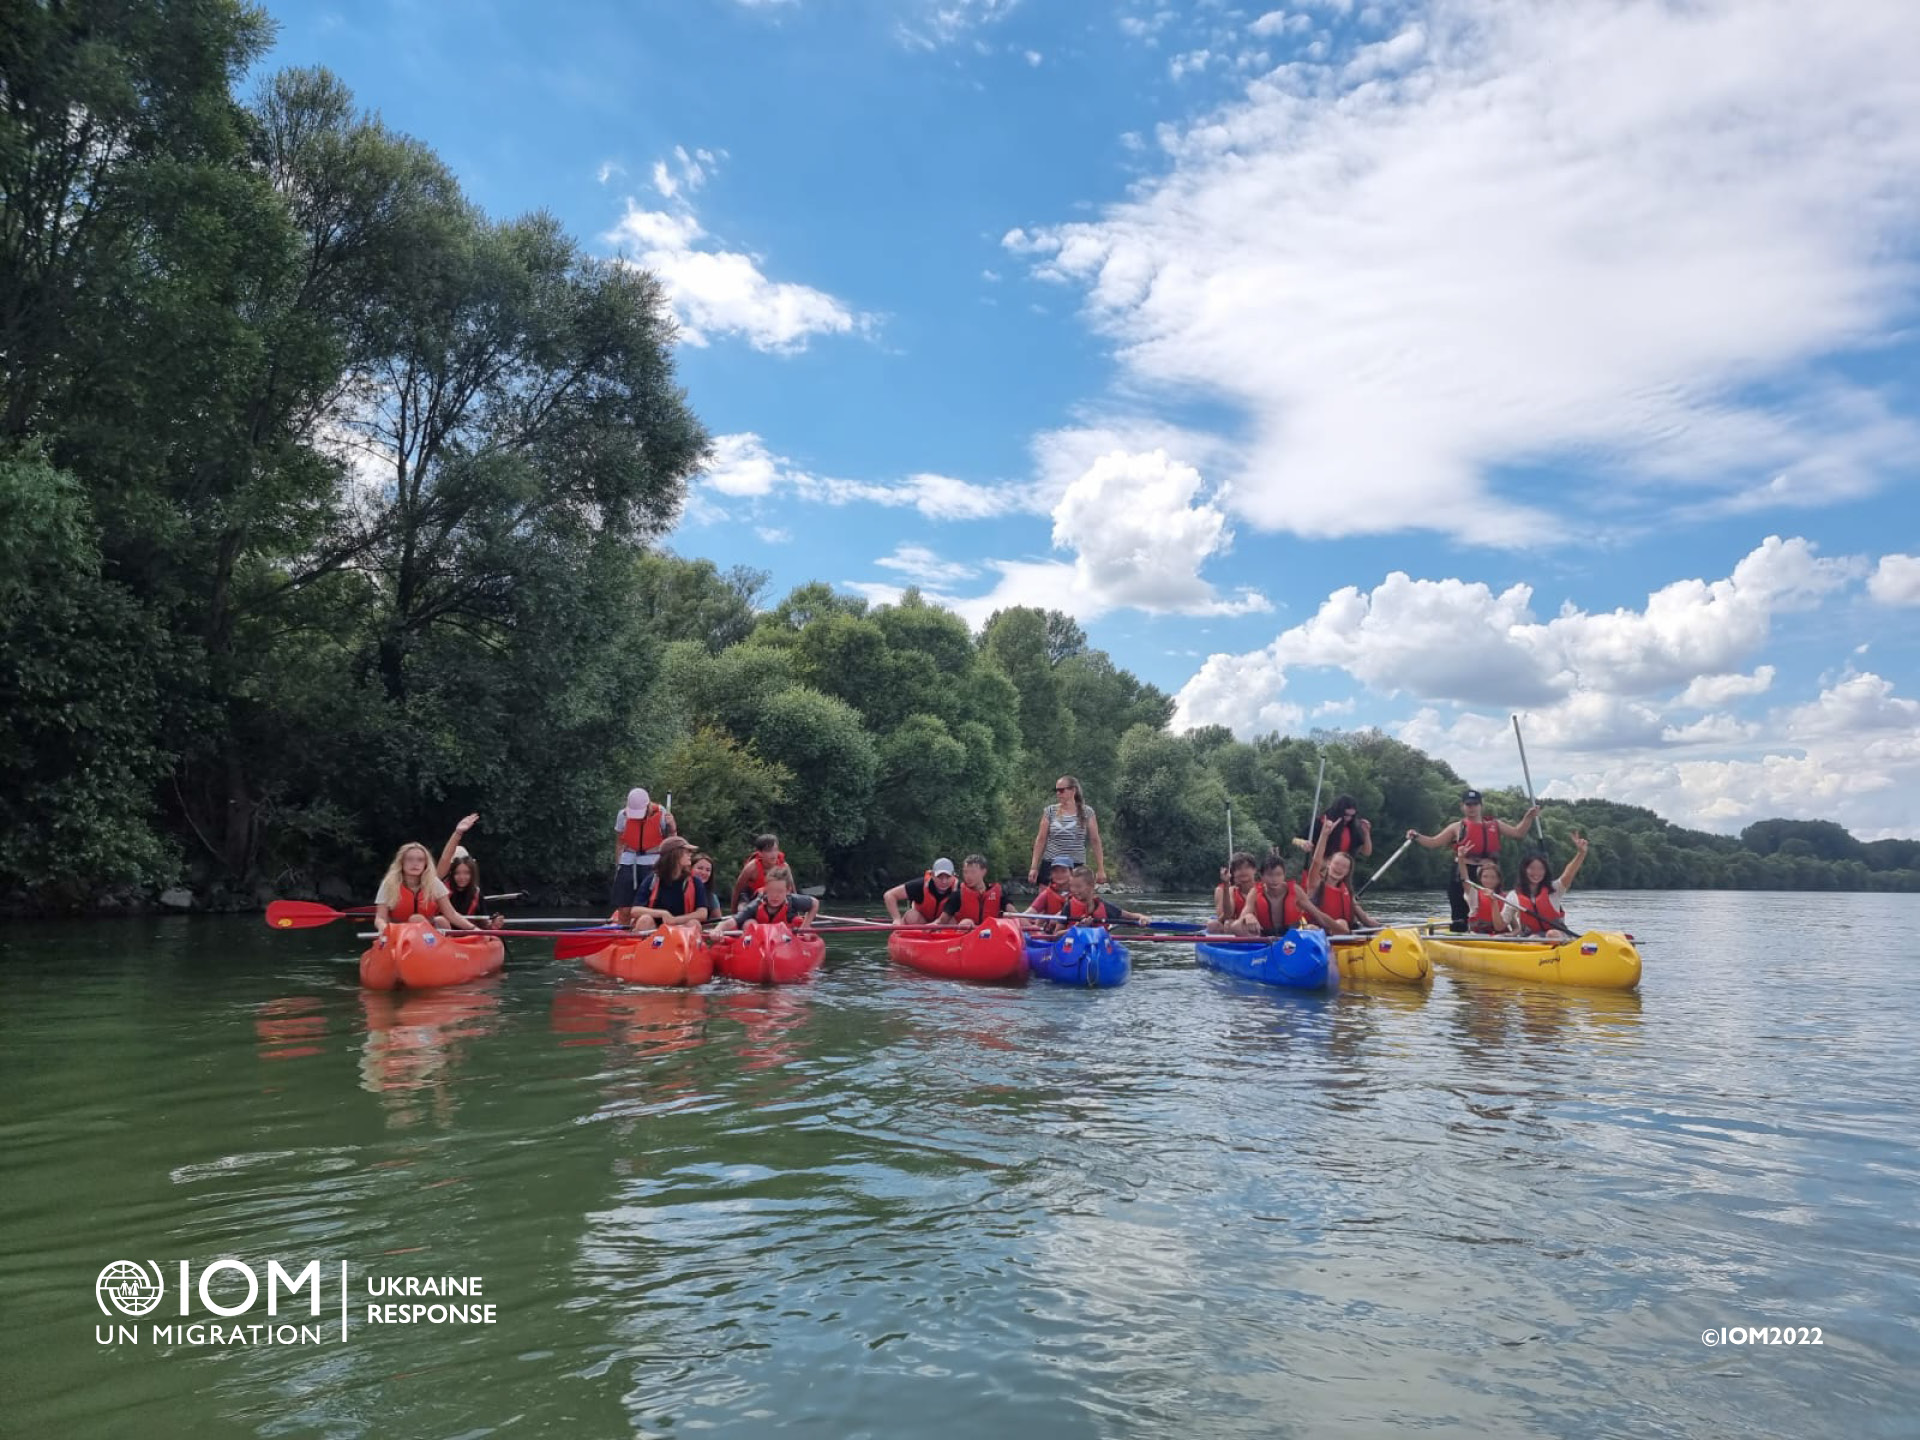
point(671, 896)
point(949, 905)
point(466, 899)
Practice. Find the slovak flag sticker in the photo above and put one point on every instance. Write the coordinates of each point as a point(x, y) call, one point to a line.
point(1589, 948)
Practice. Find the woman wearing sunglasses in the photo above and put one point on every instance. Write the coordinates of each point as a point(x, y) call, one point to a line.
point(1068, 829)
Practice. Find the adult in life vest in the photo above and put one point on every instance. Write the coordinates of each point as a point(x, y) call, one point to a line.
point(1491, 914)
point(977, 901)
point(411, 890)
point(753, 875)
point(1052, 898)
point(1471, 837)
point(1339, 830)
point(672, 896)
point(1279, 905)
point(776, 904)
point(461, 872)
point(1230, 899)
point(1332, 895)
point(640, 829)
point(934, 897)
point(1086, 906)
point(1536, 899)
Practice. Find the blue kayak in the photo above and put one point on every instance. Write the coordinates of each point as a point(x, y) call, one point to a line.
point(1299, 960)
point(1085, 955)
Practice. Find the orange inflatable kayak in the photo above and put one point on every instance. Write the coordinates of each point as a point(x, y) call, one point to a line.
point(418, 956)
point(671, 955)
point(995, 953)
point(768, 954)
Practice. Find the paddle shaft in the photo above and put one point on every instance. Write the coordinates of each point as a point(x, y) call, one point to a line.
point(1383, 869)
point(1539, 830)
point(1315, 814)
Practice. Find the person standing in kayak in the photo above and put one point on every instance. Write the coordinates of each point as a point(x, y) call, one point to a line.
point(1230, 900)
point(932, 898)
point(1346, 833)
point(775, 904)
point(640, 830)
point(753, 875)
point(1068, 827)
point(1473, 836)
point(1085, 905)
point(1279, 905)
point(410, 889)
point(672, 896)
point(977, 902)
point(1536, 899)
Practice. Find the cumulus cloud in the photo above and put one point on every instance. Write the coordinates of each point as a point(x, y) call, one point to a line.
point(721, 292)
point(1706, 692)
point(1506, 233)
point(742, 467)
point(1896, 580)
point(923, 567)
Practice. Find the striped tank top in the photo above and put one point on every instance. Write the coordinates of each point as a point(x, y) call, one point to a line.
point(1067, 834)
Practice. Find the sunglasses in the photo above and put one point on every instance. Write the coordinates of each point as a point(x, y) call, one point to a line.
point(1063, 789)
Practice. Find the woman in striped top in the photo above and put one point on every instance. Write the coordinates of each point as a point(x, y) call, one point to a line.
point(1069, 828)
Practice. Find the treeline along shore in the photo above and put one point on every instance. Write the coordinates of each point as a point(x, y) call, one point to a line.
point(330, 511)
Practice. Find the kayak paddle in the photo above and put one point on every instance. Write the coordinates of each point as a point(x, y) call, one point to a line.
point(304, 914)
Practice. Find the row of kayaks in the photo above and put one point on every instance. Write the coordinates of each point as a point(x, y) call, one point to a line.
point(418, 956)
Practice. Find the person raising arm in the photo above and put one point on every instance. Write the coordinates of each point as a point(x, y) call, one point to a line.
point(1473, 836)
point(410, 890)
point(1535, 898)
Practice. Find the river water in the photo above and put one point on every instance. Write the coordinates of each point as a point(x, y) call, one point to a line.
point(884, 1205)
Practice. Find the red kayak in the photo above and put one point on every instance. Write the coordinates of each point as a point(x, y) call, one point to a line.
point(995, 953)
point(768, 954)
point(414, 954)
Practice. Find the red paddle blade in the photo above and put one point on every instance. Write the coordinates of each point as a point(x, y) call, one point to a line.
point(575, 947)
point(300, 915)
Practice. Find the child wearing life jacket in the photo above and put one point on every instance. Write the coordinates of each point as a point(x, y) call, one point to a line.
point(672, 896)
point(977, 902)
point(461, 872)
point(1490, 912)
point(410, 889)
point(1333, 896)
point(776, 904)
point(1536, 899)
point(1474, 836)
point(753, 875)
point(1052, 898)
point(1085, 905)
point(932, 898)
point(1230, 899)
point(1279, 905)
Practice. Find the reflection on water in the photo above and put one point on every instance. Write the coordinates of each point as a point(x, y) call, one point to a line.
point(880, 1204)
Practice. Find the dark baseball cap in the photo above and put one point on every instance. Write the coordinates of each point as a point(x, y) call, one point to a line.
point(1472, 797)
point(1060, 862)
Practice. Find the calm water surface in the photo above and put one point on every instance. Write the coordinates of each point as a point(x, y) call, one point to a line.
point(882, 1205)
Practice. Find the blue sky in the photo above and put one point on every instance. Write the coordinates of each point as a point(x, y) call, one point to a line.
point(1338, 364)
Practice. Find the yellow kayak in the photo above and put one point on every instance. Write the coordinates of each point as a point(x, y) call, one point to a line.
point(1390, 957)
point(1596, 960)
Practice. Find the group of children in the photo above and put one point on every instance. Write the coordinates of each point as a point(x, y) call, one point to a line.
point(967, 899)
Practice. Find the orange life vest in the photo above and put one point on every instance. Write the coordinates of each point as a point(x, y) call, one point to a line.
point(1335, 900)
point(1291, 915)
point(644, 833)
point(931, 901)
point(1345, 836)
point(980, 906)
point(1049, 901)
point(411, 903)
point(1486, 914)
point(787, 914)
point(760, 868)
point(1096, 909)
point(689, 895)
point(1538, 913)
point(1480, 837)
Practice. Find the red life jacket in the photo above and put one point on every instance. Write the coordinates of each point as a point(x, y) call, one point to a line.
point(1538, 913)
point(1049, 901)
point(472, 907)
point(760, 868)
point(1095, 909)
point(1291, 915)
point(688, 895)
point(1335, 900)
point(1345, 837)
point(644, 833)
point(764, 914)
point(411, 903)
point(1480, 837)
point(1238, 900)
point(931, 901)
point(1486, 914)
point(981, 906)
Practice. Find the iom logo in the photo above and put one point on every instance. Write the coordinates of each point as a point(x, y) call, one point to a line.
point(125, 1287)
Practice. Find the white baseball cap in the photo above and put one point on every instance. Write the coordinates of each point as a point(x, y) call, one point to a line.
point(943, 866)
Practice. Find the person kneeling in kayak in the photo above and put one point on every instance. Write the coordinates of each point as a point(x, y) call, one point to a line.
point(673, 896)
point(977, 902)
point(1230, 900)
point(776, 904)
point(1492, 915)
point(1279, 905)
point(410, 889)
point(1086, 905)
point(1334, 897)
point(1534, 897)
point(753, 875)
point(934, 897)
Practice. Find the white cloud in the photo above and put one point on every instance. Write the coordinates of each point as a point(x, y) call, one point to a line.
point(941, 22)
point(1858, 706)
point(1191, 63)
point(1896, 580)
point(1034, 57)
point(1719, 728)
point(1705, 692)
point(922, 566)
point(723, 292)
point(1517, 232)
point(743, 468)
point(608, 169)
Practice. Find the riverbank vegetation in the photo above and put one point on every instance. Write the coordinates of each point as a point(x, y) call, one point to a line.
point(330, 510)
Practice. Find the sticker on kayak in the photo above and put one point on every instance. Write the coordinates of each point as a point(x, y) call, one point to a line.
point(1386, 947)
point(1589, 948)
point(1286, 947)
